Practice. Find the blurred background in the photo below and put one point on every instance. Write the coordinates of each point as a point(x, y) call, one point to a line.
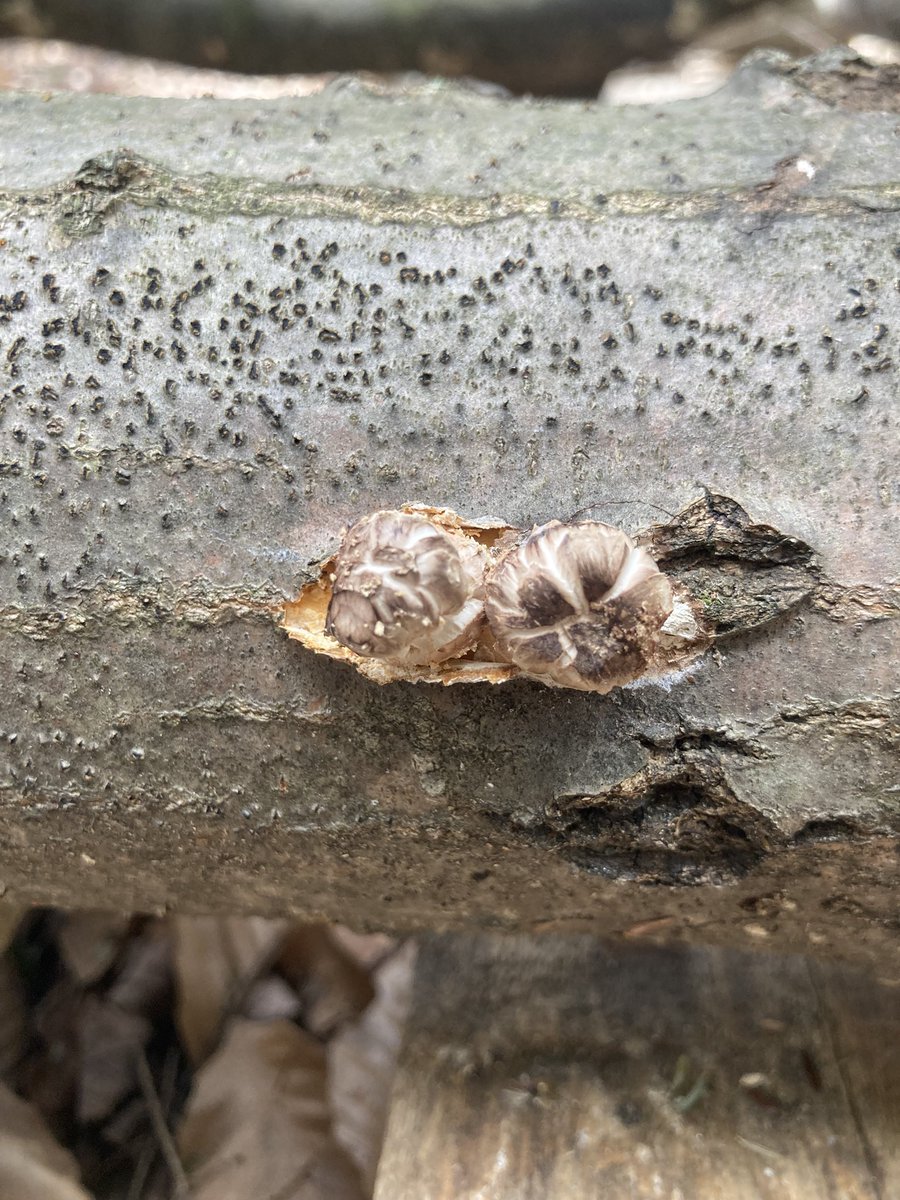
point(627, 51)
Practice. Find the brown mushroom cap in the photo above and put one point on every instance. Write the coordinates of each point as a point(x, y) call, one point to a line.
point(578, 605)
point(404, 589)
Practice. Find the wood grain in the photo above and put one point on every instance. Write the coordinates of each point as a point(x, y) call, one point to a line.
point(558, 1068)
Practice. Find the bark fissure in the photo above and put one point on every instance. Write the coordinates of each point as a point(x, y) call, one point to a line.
point(83, 205)
point(679, 818)
point(121, 603)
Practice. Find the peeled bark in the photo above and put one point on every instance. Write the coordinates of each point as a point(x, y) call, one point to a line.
point(227, 329)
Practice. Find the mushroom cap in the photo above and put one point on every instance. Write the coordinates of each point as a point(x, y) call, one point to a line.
point(404, 589)
point(578, 605)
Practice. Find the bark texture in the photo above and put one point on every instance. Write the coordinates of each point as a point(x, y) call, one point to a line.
point(543, 46)
point(228, 328)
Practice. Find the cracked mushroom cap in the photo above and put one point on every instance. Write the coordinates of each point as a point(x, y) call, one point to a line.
point(404, 590)
point(578, 605)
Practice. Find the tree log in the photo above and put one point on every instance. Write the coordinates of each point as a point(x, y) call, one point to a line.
point(543, 46)
point(226, 329)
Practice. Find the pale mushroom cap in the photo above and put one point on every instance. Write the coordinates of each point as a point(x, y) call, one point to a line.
point(404, 589)
point(579, 605)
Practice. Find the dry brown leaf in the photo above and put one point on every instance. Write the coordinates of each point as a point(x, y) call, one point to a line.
point(217, 959)
point(49, 1074)
point(257, 1123)
point(86, 1064)
point(89, 942)
point(110, 1040)
point(333, 987)
point(272, 998)
point(144, 980)
point(366, 949)
point(12, 1016)
point(362, 1061)
point(114, 1028)
point(39, 64)
point(33, 1166)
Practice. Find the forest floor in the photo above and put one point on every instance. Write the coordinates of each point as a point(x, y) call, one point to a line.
point(144, 1058)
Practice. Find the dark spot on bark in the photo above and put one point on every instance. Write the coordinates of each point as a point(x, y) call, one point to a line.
point(686, 827)
point(828, 829)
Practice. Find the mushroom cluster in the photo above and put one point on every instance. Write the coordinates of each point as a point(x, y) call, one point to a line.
point(418, 593)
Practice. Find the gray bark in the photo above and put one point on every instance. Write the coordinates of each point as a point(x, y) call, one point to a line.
point(543, 46)
point(226, 329)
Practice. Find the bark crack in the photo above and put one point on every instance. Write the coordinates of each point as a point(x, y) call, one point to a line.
point(126, 602)
point(233, 708)
point(679, 820)
point(747, 574)
point(84, 203)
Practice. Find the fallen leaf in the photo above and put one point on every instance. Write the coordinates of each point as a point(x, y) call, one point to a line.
point(33, 1166)
point(333, 987)
point(133, 1139)
point(109, 1042)
point(271, 998)
point(89, 942)
point(83, 1060)
point(114, 1028)
point(362, 1061)
point(217, 959)
point(49, 1074)
point(257, 1123)
point(366, 949)
point(144, 980)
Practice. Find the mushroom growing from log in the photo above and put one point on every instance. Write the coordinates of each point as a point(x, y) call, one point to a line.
point(424, 595)
point(578, 605)
point(405, 590)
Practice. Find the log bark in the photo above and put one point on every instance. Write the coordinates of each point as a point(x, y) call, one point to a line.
point(542, 46)
point(228, 328)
